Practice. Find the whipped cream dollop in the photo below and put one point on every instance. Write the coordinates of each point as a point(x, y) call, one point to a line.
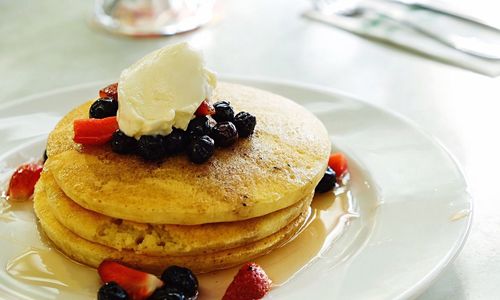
point(163, 90)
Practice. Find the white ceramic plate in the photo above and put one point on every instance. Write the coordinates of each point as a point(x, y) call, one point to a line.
point(413, 199)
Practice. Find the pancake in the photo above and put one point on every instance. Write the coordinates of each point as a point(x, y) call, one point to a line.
point(93, 254)
point(61, 138)
point(277, 166)
point(155, 239)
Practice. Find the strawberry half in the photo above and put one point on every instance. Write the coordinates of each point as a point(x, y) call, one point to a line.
point(22, 183)
point(250, 283)
point(94, 131)
point(138, 285)
point(338, 163)
point(111, 91)
point(205, 109)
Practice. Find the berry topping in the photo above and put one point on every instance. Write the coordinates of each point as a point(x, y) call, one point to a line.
point(205, 109)
point(122, 143)
point(199, 126)
point(94, 131)
point(250, 283)
point(182, 279)
point(112, 291)
point(338, 163)
point(176, 141)
point(167, 293)
point(111, 91)
point(103, 108)
point(201, 149)
point(223, 111)
point(245, 123)
point(327, 182)
point(22, 183)
point(224, 134)
point(150, 147)
point(138, 285)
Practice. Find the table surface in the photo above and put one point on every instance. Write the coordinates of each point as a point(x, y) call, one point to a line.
point(49, 44)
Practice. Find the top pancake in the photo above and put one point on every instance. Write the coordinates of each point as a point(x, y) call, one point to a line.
point(272, 169)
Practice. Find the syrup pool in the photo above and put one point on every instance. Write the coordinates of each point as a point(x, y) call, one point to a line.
point(46, 273)
point(328, 218)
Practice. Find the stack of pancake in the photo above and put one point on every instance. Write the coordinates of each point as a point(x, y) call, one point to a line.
point(245, 201)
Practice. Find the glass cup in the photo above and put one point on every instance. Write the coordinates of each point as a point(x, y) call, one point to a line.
point(152, 17)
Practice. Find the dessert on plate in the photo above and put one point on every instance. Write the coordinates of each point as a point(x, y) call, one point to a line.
point(177, 169)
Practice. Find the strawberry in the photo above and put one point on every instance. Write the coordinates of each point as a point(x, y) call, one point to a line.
point(111, 91)
point(94, 131)
point(205, 109)
point(338, 163)
point(250, 283)
point(138, 285)
point(22, 183)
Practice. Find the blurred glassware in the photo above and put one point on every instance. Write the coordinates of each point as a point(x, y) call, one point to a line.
point(152, 17)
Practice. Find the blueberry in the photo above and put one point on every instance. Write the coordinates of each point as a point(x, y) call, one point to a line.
point(182, 279)
point(199, 126)
point(103, 108)
point(201, 149)
point(122, 143)
point(176, 141)
point(327, 182)
point(223, 111)
point(245, 123)
point(45, 157)
point(224, 134)
point(150, 147)
point(167, 293)
point(112, 291)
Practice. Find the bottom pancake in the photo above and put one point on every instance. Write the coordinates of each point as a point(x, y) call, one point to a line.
point(158, 239)
point(93, 254)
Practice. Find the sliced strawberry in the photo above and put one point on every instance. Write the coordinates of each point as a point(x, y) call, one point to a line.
point(94, 131)
point(205, 109)
point(22, 183)
point(139, 285)
point(111, 91)
point(250, 283)
point(338, 163)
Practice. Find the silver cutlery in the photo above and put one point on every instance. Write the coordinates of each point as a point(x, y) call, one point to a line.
point(470, 45)
point(448, 12)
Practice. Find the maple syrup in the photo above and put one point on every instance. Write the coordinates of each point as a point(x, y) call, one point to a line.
point(41, 265)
